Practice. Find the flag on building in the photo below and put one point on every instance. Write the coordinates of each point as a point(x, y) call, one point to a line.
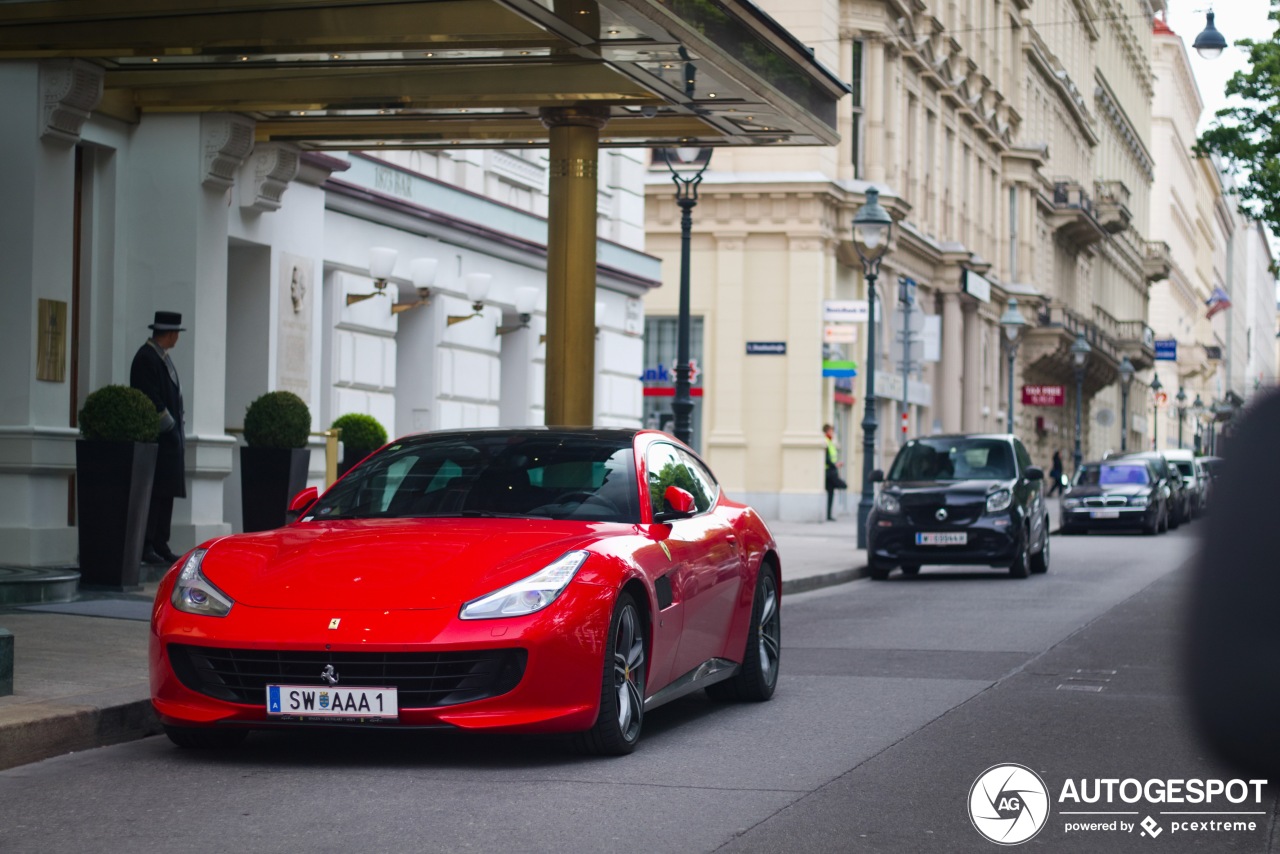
point(1217, 301)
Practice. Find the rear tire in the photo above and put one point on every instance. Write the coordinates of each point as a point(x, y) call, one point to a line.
point(205, 738)
point(757, 678)
point(617, 727)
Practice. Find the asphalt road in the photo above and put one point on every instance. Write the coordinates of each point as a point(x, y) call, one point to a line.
point(895, 697)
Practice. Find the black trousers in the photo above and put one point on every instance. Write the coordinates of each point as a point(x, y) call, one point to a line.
point(159, 517)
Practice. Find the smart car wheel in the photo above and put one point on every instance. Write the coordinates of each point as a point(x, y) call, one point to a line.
point(203, 738)
point(1040, 560)
point(1021, 565)
point(879, 571)
point(757, 678)
point(617, 726)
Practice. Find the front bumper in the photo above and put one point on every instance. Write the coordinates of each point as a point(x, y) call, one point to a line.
point(989, 540)
point(1100, 518)
point(558, 690)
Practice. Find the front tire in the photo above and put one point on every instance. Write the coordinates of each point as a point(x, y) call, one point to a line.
point(1040, 560)
point(1021, 565)
point(617, 727)
point(877, 570)
point(757, 678)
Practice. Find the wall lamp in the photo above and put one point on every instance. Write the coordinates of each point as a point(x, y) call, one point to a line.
point(422, 272)
point(477, 287)
point(382, 261)
point(526, 300)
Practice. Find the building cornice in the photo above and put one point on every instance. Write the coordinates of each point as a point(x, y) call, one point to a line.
point(1109, 106)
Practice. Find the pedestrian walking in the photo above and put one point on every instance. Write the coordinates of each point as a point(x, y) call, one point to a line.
point(153, 373)
point(1055, 474)
point(833, 464)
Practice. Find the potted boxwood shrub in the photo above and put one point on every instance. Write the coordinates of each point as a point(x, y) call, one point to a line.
point(273, 465)
point(115, 466)
point(361, 436)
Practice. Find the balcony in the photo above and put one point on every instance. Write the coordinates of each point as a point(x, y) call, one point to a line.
point(1073, 218)
point(1133, 338)
point(1111, 205)
point(1048, 347)
point(1158, 261)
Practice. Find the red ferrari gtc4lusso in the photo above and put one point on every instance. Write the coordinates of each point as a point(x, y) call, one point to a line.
point(511, 580)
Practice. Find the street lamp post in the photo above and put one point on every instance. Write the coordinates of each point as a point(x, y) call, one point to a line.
point(1197, 415)
point(872, 227)
point(1014, 324)
point(1126, 379)
point(1079, 357)
point(686, 198)
point(1181, 397)
point(1209, 42)
point(1156, 386)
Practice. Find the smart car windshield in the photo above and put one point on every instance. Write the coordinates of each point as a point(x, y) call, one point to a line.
point(954, 459)
point(536, 475)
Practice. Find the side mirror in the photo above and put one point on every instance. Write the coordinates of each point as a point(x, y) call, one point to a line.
point(1035, 473)
point(303, 500)
point(678, 504)
point(877, 476)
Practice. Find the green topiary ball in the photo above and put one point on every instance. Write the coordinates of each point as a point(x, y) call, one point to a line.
point(118, 413)
point(361, 434)
point(277, 419)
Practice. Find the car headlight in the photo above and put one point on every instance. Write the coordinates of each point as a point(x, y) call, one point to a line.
point(195, 594)
point(887, 503)
point(528, 595)
point(1072, 502)
point(998, 501)
point(1140, 500)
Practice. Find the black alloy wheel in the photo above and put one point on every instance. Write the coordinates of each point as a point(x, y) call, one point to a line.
point(757, 678)
point(617, 726)
point(1040, 560)
point(1021, 565)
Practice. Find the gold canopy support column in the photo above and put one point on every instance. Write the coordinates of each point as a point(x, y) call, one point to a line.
point(571, 263)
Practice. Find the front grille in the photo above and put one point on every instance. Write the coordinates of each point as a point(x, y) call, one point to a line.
point(421, 679)
point(923, 515)
point(1107, 501)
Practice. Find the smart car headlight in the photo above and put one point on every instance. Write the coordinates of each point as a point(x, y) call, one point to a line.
point(195, 594)
point(887, 503)
point(999, 501)
point(528, 595)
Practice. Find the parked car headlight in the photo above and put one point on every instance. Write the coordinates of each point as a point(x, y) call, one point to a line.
point(195, 594)
point(1072, 502)
point(887, 503)
point(528, 595)
point(1140, 500)
point(998, 501)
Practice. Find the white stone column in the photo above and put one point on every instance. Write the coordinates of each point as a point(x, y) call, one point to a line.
point(801, 384)
point(726, 441)
point(951, 368)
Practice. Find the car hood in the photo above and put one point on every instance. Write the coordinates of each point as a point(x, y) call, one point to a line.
point(388, 563)
point(954, 491)
point(1093, 491)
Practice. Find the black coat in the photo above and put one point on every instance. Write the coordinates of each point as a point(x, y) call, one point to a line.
point(155, 377)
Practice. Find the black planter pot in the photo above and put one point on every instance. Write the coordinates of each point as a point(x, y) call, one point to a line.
point(113, 493)
point(269, 477)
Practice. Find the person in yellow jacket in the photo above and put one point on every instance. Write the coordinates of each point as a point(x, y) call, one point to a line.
point(833, 479)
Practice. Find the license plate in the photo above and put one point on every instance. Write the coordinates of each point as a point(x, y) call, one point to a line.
point(309, 701)
point(1104, 514)
point(958, 538)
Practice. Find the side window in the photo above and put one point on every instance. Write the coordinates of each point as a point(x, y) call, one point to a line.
point(1024, 458)
point(704, 495)
point(664, 469)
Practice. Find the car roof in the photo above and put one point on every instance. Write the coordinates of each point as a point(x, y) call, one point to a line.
point(943, 436)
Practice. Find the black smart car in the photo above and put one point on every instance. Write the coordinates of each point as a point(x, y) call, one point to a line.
point(963, 499)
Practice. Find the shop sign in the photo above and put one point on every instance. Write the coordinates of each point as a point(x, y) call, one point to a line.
point(1043, 395)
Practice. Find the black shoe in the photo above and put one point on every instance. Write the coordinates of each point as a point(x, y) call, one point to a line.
point(166, 555)
point(831, 518)
point(149, 555)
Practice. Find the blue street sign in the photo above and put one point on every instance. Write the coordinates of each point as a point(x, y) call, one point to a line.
point(1166, 350)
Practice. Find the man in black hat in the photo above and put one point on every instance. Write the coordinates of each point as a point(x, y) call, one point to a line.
point(155, 376)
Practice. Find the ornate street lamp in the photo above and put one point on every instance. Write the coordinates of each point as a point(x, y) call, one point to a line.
point(686, 197)
point(1080, 350)
point(1156, 386)
point(1014, 325)
point(1209, 43)
point(1197, 415)
point(1181, 397)
point(1126, 372)
point(872, 228)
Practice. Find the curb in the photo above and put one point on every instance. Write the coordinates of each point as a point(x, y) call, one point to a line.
point(44, 737)
point(830, 579)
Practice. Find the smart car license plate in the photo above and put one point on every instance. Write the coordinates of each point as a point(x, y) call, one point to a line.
point(309, 701)
point(1104, 514)
point(937, 538)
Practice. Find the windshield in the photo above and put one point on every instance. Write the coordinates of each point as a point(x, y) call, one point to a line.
point(1114, 474)
point(1186, 467)
point(954, 459)
point(540, 475)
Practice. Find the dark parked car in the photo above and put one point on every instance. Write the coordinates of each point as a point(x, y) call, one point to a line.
point(1116, 493)
point(1179, 496)
point(964, 499)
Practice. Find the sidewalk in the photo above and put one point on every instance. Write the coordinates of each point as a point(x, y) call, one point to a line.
point(80, 668)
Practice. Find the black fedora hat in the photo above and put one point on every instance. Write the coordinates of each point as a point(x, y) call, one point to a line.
point(168, 321)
